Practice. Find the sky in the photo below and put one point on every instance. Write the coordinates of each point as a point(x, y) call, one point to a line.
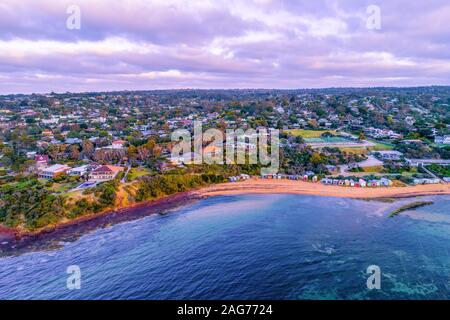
point(172, 44)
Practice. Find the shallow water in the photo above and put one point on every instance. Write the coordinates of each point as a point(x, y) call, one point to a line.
point(250, 247)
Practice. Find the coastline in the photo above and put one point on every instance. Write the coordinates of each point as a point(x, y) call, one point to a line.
point(13, 241)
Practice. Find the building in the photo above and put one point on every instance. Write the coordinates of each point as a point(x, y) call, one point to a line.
point(426, 181)
point(53, 171)
point(424, 162)
point(78, 171)
point(390, 155)
point(442, 139)
point(118, 144)
point(31, 154)
point(105, 172)
point(47, 133)
point(41, 160)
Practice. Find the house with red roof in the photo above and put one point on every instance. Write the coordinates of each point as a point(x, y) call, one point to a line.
point(105, 172)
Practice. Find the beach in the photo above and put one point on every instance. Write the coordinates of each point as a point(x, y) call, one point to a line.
point(283, 186)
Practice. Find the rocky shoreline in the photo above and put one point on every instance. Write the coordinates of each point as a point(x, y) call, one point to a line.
point(13, 242)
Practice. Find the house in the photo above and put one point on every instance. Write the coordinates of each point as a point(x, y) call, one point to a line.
point(187, 158)
point(105, 172)
point(212, 151)
point(389, 155)
point(73, 140)
point(331, 168)
point(442, 139)
point(118, 144)
point(41, 160)
point(411, 141)
point(31, 154)
point(47, 133)
point(53, 171)
point(78, 171)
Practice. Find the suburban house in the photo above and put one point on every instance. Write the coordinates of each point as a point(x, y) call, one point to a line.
point(390, 155)
point(212, 151)
point(53, 171)
point(78, 171)
point(186, 158)
point(118, 144)
point(31, 154)
point(105, 172)
point(47, 133)
point(41, 160)
point(442, 139)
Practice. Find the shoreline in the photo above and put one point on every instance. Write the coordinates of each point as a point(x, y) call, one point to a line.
point(14, 242)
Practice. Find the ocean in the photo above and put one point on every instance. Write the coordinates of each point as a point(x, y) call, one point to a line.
point(249, 247)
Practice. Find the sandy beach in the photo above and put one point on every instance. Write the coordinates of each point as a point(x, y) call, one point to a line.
point(261, 186)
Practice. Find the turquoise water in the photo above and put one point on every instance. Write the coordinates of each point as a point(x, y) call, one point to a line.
point(250, 247)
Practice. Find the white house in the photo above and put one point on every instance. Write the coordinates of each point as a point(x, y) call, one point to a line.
point(442, 139)
point(390, 155)
point(53, 171)
point(78, 171)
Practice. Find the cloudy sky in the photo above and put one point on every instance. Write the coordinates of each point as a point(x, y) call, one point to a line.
point(157, 44)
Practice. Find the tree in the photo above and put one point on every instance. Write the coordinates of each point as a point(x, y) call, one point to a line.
point(143, 152)
point(87, 148)
point(74, 152)
point(316, 158)
point(361, 136)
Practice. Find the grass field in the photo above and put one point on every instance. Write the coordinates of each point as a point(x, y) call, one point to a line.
point(380, 146)
point(136, 173)
point(354, 150)
point(63, 187)
point(306, 134)
point(373, 169)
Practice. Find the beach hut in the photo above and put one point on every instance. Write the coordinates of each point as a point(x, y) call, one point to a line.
point(362, 183)
point(375, 183)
